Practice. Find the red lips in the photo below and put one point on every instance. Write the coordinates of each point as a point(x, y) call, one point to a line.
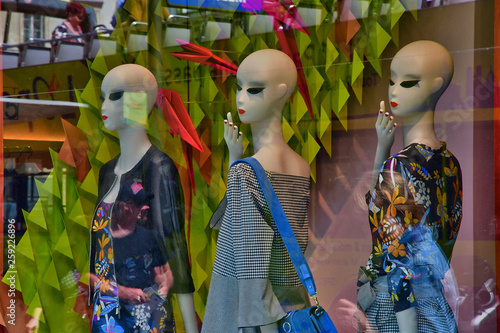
point(241, 111)
point(104, 117)
point(394, 104)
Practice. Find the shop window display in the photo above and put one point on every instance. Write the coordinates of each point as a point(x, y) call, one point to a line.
point(342, 53)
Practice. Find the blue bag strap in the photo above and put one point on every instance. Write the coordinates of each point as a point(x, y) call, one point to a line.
point(286, 232)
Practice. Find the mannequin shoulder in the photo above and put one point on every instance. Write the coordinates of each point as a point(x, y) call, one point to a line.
point(285, 161)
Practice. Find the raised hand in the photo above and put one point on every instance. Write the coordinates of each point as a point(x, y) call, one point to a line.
point(233, 139)
point(386, 127)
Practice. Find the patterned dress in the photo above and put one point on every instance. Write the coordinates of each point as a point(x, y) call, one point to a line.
point(63, 30)
point(253, 281)
point(129, 262)
point(415, 214)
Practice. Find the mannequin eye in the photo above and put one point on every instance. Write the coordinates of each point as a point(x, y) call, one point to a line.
point(391, 83)
point(102, 98)
point(238, 87)
point(409, 84)
point(115, 95)
point(254, 91)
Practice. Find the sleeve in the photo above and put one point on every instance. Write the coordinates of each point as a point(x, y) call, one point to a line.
point(168, 215)
point(59, 31)
point(252, 237)
point(393, 216)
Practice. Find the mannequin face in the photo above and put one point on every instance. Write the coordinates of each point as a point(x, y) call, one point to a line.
point(410, 88)
point(112, 105)
point(127, 92)
point(262, 86)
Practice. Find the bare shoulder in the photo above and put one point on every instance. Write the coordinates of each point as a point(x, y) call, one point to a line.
point(284, 160)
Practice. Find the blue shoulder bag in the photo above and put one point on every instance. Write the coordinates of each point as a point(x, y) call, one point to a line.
point(313, 319)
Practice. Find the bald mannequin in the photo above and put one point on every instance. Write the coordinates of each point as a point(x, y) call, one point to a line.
point(420, 73)
point(266, 80)
point(129, 93)
point(244, 292)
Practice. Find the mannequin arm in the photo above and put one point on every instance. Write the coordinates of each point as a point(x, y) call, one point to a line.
point(233, 139)
point(186, 305)
point(386, 127)
point(407, 320)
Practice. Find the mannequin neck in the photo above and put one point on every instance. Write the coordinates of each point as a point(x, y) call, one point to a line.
point(419, 128)
point(134, 143)
point(267, 134)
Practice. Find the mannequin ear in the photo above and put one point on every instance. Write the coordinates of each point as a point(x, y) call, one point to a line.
point(281, 90)
point(437, 84)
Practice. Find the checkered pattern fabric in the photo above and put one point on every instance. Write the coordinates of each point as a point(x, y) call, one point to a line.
point(249, 245)
point(433, 315)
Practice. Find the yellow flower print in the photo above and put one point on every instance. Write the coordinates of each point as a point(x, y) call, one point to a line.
point(110, 254)
point(436, 174)
point(378, 248)
point(104, 285)
point(395, 199)
point(442, 210)
point(452, 170)
point(102, 243)
point(378, 226)
point(397, 249)
point(409, 218)
point(99, 225)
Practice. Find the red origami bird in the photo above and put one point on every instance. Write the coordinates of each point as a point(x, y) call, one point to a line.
point(204, 56)
point(180, 123)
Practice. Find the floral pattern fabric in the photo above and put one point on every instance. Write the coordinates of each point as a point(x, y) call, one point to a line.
point(415, 212)
point(110, 314)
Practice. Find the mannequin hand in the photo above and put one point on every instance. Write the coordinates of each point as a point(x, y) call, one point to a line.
point(386, 127)
point(132, 295)
point(233, 139)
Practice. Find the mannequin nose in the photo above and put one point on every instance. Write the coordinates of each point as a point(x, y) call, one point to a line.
point(240, 97)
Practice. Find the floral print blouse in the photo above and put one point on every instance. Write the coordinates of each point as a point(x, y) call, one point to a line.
point(415, 213)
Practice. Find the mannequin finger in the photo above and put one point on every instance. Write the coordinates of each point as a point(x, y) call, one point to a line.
point(235, 134)
point(229, 117)
point(381, 112)
point(385, 120)
point(389, 124)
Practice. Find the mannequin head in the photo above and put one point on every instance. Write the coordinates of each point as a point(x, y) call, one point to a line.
point(266, 80)
point(128, 94)
point(420, 73)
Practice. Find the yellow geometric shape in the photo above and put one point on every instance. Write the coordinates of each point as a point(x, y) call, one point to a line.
point(287, 130)
point(63, 245)
point(51, 276)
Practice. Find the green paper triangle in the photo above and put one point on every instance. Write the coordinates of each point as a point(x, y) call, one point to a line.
point(24, 246)
point(51, 276)
point(331, 53)
point(382, 39)
point(357, 66)
point(196, 114)
point(300, 108)
point(324, 122)
point(311, 148)
point(303, 42)
point(90, 183)
point(104, 154)
point(287, 130)
point(37, 216)
point(63, 245)
point(396, 11)
point(77, 215)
